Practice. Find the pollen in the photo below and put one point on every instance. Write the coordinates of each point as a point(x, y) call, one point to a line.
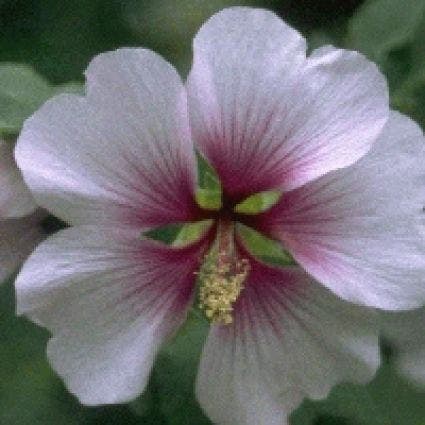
point(221, 284)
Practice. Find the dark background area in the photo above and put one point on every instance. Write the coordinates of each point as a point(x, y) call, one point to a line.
point(59, 38)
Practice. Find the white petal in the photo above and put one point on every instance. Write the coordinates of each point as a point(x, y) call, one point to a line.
point(109, 300)
point(266, 116)
point(405, 332)
point(291, 339)
point(360, 231)
point(15, 198)
point(18, 237)
point(121, 153)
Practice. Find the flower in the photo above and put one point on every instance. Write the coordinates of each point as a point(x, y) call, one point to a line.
point(121, 160)
point(20, 229)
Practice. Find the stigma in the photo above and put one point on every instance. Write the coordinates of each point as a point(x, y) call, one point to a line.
point(222, 280)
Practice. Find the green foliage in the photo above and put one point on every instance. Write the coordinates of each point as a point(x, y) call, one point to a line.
point(209, 192)
point(30, 392)
point(258, 202)
point(381, 26)
point(392, 33)
point(386, 400)
point(22, 92)
point(166, 234)
point(264, 248)
point(191, 232)
point(409, 97)
point(175, 374)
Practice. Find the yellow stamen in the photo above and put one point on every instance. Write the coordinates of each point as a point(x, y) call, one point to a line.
point(221, 284)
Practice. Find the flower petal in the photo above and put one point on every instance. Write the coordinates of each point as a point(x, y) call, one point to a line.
point(18, 237)
point(266, 116)
point(290, 339)
point(121, 153)
point(15, 198)
point(405, 331)
point(110, 300)
point(358, 230)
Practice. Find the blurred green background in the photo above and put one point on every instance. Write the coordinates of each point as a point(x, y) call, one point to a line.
point(55, 40)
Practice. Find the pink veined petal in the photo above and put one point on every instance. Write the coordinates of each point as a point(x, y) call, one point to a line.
point(291, 338)
point(266, 116)
point(18, 237)
point(110, 300)
point(15, 198)
point(359, 231)
point(122, 153)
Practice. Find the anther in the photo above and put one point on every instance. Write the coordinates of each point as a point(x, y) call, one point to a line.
point(222, 281)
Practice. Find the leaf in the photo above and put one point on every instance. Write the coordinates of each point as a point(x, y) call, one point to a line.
point(265, 249)
point(166, 234)
point(209, 199)
point(175, 373)
point(71, 87)
point(178, 234)
point(22, 92)
point(258, 202)
point(319, 38)
point(30, 392)
point(190, 232)
point(380, 26)
point(25, 377)
point(209, 192)
point(348, 402)
point(409, 98)
point(386, 400)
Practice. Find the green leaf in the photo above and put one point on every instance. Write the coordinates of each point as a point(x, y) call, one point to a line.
point(71, 87)
point(209, 192)
point(409, 98)
point(380, 26)
point(209, 199)
point(175, 373)
point(22, 92)
point(387, 400)
point(418, 48)
point(319, 38)
point(264, 248)
point(178, 234)
point(25, 376)
point(259, 202)
point(166, 234)
point(409, 95)
point(30, 391)
point(207, 176)
point(348, 402)
point(190, 232)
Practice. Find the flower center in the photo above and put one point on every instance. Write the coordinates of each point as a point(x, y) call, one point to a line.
point(222, 277)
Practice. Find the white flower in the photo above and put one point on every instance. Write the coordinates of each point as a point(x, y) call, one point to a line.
point(121, 160)
point(20, 228)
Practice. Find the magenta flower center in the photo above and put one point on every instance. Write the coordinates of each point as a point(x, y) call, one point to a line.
point(225, 270)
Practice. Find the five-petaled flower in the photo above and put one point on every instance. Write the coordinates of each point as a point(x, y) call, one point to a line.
point(120, 161)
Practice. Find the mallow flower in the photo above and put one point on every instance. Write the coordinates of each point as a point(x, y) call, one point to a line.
point(20, 220)
point(120, 161)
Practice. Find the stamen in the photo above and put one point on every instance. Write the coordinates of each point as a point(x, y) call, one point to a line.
point(221, 284)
